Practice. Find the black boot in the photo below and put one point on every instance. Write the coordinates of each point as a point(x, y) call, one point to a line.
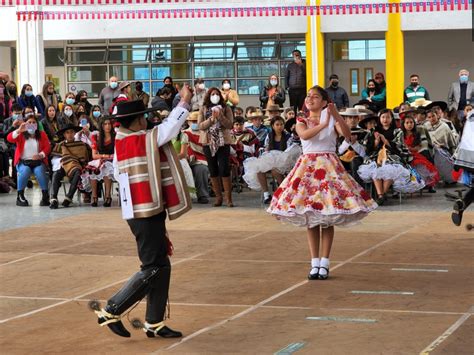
point(20, 199)
point(113, 322)
point(160, 329)
point(45, 199)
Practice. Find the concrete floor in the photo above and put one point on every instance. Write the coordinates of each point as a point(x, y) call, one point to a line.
point(399, 282)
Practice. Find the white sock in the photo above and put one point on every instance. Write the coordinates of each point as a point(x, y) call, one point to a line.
point(314, 266)
point(266, 195)
point(324, 263)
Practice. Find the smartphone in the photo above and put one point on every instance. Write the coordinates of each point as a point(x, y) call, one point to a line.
point(83, 122)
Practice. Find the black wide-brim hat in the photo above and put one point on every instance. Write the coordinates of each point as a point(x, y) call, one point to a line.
point(367, 119)
point(443, 105)
point(67, 127)
point(289, 123)
point(129, 110)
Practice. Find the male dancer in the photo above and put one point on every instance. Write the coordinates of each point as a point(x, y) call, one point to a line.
point(148, 163)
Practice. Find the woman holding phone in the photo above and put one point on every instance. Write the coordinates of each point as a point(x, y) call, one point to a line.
point(31, 157)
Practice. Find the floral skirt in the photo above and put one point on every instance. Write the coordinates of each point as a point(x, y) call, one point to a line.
point(319, 191)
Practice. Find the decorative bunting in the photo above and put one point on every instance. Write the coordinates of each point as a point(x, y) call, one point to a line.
point(269, 11)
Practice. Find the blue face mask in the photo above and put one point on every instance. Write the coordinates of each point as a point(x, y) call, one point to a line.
point(15, 116)
point(29, 93)
point(113, 84)
point(96, 114)
point(463, 78)
point(69, 101)
point(194, 126)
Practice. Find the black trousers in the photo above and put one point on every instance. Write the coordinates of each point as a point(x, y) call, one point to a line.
point(73, 181)
point(218, 164)
point(153, 279)
point(297, 96)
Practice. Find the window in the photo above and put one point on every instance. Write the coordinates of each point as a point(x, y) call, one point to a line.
point(247, 61)
point(372, 49)
point(368, 74)
point(53, 57)
point(354, 75)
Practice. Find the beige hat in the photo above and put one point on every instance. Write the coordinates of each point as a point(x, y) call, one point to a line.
point(255, 114)
point(363, 109)
point(193, 116)
point(352, 111)
point(420, 102)
point(124, 84)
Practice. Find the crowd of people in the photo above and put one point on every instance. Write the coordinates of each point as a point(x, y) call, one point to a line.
point(222, 147)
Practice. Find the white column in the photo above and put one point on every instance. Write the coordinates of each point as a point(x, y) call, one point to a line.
point(314, 48)
point(30, 52)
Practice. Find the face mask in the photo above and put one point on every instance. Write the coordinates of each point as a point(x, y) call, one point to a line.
point(194, 126)
point(83, 99)
point(31, 128)
point(96, 114)
point(113, 84)
point(29, 93)
point(12, 90)
point(215, 99)
point(138, 87)
point(464, 78)
point(334, 84)
point(414, 84)
point(201, 86)
point(68, 113)
point(371, 89)
point(69, 101)
point(273, 82)
point(15, 116)
point(226, 86)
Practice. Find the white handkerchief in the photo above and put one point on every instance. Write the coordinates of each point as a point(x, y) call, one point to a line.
point(324, 117)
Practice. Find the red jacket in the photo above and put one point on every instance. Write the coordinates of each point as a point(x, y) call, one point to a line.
point(44, 146)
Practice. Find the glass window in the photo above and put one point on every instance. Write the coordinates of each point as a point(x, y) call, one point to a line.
point(253, 69)
point(131, 72)
point(288, 47)
point(250, 86)
point(357, 50)
point(87, 73)
point(129, 54)
point(354, 75)
point(214, 70)
point(213, 51)
point(54, 57)
point(376, 49)
point(93, 89)
point(256, 50)
point(170, 53)
point(369, 74)
point(176, 71)
point(87, 56)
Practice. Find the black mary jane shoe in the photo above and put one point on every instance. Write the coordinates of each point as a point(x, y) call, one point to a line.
point(323, 277)
point(108, 202)
point(159, 329)
point(314, 276)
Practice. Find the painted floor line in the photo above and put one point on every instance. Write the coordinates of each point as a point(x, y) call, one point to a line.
point(391, 311)
point(446, 334)
point(419, 270)
point(77, 297)
point(343, 319)
point(271, 298)
point(363, 292)
point(291, 348)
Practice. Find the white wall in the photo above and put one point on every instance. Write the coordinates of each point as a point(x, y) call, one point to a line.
point(437, 56)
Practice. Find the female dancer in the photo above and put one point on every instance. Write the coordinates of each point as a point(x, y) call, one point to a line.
point(318, 193)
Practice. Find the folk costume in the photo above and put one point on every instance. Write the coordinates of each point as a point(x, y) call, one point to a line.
point(319, 191)
point(157, 188)
point(68, 159)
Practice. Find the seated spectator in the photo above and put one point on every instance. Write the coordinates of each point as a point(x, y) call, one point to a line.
point(387, 157)
point(248, 121)
point(441, 110)
point(68, 158)
point(68, 116)
point(160, 101)
point(289, 114)
point(194, 153)
point(85, 133)
point(95, 117)
point(9, 125)
point(413, 140)
point(238, 111)
point(272, 111)
point(256, 118)
point(31, 157)
point(244, 141)
point(101, 168)
point(51, 124)
point(28, 99)
point(81, 98)
point(70, 99)
point(47, 97)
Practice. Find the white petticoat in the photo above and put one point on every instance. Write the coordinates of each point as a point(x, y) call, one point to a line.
point(106, 170)
point(311, 219)
point(282, 162)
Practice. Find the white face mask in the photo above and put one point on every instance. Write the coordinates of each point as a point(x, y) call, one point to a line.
point(68, 113)
point(201, 86)
point(215, 99)
point(273, 82)
point(226, 86)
